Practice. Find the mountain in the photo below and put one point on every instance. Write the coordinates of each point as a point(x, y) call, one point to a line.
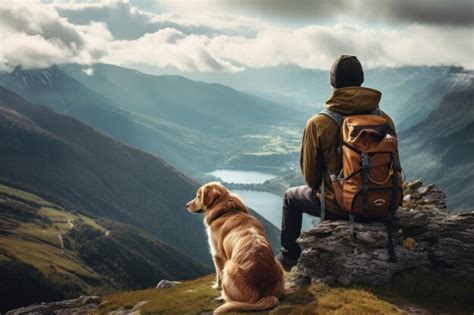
point(48, 252)
point(56, 90)
point(308, 89)
point(205, 107)
point(237, 129)
point(424, 101)
point(440, 148)
point(193, 125)
point(59, 157)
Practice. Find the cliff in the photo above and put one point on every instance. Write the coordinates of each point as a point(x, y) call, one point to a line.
point(426, 238)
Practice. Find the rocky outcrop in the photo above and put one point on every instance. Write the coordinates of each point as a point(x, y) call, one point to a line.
point(84, 305)
point(426, 237)
point(81, 305)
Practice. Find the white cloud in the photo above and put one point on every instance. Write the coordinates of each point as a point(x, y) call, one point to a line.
point(39, 35)
point(34, 35)
point(168, 47)
point(317, 46)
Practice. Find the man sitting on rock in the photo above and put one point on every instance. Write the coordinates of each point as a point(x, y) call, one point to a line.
point(319, 155)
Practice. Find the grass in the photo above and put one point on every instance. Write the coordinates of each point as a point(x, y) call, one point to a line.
point(36, 242)
point(26, 196)
point(197, 297)
point(412, 291)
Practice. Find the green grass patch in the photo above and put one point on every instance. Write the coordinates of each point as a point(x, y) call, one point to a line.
point(197, 297)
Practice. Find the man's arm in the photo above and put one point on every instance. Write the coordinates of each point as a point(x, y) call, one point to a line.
point(311, 162)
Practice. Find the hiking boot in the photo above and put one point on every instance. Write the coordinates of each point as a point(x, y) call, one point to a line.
point(286, 262)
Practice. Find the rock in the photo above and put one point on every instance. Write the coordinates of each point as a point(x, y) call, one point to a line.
point(136, 310)
point(165, 284)
point(425, 236)
point(81, 305)
point(415, 184)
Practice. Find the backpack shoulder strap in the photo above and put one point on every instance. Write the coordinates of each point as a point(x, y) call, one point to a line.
point(334, 116)
point(378, 112)
point(338, 120)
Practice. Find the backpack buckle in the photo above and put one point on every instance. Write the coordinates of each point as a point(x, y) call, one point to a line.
point(365, 161)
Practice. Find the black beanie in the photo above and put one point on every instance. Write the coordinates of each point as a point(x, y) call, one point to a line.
point(346, 71)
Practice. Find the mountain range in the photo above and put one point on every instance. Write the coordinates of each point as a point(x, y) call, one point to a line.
point(77, 167)
point(193, 125)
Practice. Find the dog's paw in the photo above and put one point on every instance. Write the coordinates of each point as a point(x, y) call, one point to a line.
point(216, 286)
point(219, 298)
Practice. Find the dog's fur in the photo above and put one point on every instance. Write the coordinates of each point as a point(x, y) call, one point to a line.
point(250, 277)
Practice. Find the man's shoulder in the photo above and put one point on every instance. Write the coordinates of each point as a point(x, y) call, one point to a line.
point(320, 120)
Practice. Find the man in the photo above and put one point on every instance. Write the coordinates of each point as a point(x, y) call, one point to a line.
point(319, 154)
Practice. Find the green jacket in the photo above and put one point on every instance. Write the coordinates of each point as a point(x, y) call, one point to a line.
point(321, 138)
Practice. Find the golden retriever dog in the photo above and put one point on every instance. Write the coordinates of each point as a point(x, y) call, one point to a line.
point(246, 270)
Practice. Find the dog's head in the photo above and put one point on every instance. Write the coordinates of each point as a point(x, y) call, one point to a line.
point(206, 196)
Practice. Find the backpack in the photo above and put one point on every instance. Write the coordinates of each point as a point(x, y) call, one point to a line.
point(369, 184)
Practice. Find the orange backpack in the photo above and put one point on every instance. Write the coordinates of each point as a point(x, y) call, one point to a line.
point(370, 182)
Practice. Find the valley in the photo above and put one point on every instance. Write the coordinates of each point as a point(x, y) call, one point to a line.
point(105, 162)
point(49, 252)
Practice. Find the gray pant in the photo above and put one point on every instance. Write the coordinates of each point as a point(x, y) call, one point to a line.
point(296, 201)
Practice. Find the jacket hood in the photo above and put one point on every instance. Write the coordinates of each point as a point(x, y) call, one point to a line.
point(354, 100)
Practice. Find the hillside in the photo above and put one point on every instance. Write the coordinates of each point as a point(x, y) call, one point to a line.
point(205, 107)
point(336, 275)
point(439, 148)
point(230, 128)
point(412, 293)
point(426, 100)
point(308, 89)
point(192, 125)
point(61, 158)
point(53, 88)
point(48, 252)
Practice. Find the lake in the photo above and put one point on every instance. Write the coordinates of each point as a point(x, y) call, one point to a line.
point(241, 177)
point(264, 203)
point(269, 206)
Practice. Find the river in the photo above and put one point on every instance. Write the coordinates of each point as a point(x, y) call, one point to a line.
point(266, 204)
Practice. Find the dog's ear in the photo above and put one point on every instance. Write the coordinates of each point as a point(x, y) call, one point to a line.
point(210, 194)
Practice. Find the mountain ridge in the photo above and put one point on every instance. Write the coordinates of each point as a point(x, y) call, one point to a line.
point(93, 172)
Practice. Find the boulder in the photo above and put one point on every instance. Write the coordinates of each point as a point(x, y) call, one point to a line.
point(426, 236)
point(165, 284)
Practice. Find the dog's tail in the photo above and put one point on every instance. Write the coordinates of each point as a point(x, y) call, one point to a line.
point(264, 303)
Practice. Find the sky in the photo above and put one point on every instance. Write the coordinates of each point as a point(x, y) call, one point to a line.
point(234, 35)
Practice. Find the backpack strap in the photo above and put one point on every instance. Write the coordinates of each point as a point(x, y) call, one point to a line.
point(393, 208)
point(378, 112)
point(323, 201)
point(337, 118)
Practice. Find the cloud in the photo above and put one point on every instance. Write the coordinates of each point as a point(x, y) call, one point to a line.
point(433, 12)
point(34, 35)
point(128, 22)
point(39, 35)
point(168, 48)
point(316, 47)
